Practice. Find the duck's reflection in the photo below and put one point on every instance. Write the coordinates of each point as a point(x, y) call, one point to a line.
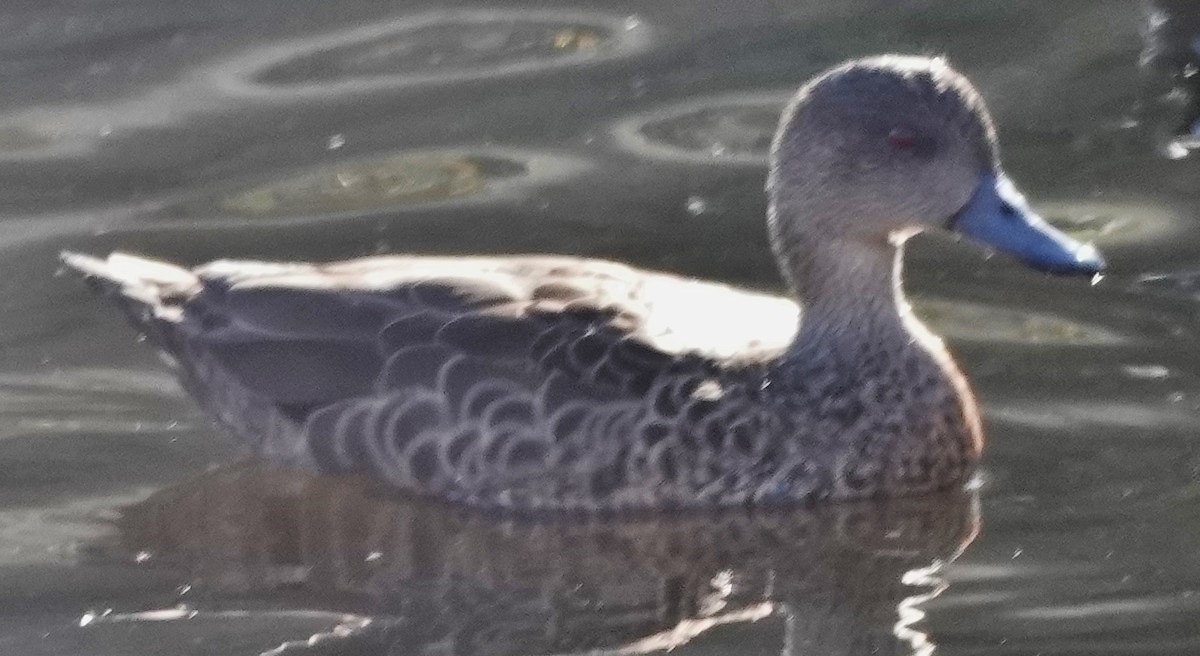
point(842, 579)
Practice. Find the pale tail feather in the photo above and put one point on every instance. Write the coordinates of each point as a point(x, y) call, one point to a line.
point(153, 286)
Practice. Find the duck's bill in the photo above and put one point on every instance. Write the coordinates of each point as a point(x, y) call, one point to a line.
point(999, 216)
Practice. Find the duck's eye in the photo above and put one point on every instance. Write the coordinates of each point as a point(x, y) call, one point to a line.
point(901, 139)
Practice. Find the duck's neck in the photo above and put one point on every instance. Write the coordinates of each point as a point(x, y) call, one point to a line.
point(850, 292)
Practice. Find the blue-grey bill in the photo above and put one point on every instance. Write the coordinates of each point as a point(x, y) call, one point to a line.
point(1000, 217)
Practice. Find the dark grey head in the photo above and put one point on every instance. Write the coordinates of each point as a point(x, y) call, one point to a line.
point(883, 147)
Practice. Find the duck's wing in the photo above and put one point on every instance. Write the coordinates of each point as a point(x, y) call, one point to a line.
point(451, 375)
point(674, 314)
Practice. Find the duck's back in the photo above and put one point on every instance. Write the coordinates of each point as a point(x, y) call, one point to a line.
point(519, 382)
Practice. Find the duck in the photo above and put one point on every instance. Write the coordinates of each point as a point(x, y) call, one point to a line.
point(548, 383)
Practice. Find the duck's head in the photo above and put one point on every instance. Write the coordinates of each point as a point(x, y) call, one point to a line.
point(884, 147)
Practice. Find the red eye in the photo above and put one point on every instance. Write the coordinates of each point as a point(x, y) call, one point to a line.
point(901, 139)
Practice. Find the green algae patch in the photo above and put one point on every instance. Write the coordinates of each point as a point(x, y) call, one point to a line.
point(989, 323)
point(354, 186)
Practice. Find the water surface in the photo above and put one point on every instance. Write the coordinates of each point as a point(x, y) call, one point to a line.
point(316, 130)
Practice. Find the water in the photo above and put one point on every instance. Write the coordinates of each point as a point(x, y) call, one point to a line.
point(194, 130)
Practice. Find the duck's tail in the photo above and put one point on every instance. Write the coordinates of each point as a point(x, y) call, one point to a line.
point(150, 292)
